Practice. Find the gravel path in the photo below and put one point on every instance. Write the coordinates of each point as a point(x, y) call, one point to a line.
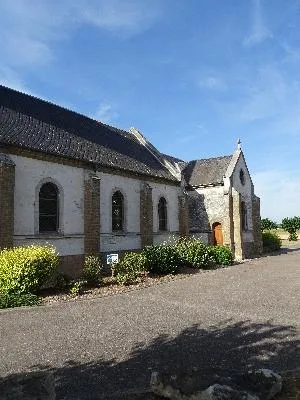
point(216, 322)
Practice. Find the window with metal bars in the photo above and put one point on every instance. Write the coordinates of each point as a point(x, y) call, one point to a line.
point(48, 208)
point(117, 211)
point(162, 214)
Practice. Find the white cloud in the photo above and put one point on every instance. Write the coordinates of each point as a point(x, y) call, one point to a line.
point(279, 191)
point(264, 96)
point(212, 82)
point(259, 32)
point(105, 113)
point(130, 16)
point(31, 29)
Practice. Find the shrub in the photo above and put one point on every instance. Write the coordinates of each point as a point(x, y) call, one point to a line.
point(193, 253)
point(162, 259)
point(62, 282)
point(26, 269)
point(9, 300)
point(131, 269)
point(291, 225)
point(266, 224)
point(92, 270)
point(222, 255)
point(293, 236)
point(76, 288)
point(271, 241)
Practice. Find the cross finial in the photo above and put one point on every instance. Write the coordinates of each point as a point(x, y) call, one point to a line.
point(239, 144)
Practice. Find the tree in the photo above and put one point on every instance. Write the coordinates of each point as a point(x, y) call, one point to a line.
point(266, 224)
point(291, 225)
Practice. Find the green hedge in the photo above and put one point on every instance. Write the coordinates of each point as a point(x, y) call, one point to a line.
point(195, 254)
point(162, 259)
point(222, 255)
point(92, 270)
point(10, 300)
point(271, 241)
point(131, 269)
point(26, 269)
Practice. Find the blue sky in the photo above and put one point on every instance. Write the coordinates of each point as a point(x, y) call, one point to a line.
point(192, 75)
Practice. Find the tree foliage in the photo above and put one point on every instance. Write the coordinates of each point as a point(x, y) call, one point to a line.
point(291, 225)
point(266, 224)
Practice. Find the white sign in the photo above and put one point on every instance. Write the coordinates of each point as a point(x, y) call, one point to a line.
point(112, 258)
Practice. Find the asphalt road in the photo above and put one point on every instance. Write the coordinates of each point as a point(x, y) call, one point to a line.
point(216, 322)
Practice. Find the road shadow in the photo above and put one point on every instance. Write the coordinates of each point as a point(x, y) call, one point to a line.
point(218, 350)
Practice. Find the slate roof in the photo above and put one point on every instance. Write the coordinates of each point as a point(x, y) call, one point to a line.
point(32, 123)
point(175, 160)
point(206, 172)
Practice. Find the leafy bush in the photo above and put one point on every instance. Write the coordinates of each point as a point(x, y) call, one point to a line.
point(271, 241)
point(291, 225)
point(293, 237)
point(62, 282)
point(76, 288)
point(26, 269)
point(193, 253)
point(92, 270)
point(9, 300)
point(266, 224)
point(222, 255)
point(162, 259)
point(131, 269)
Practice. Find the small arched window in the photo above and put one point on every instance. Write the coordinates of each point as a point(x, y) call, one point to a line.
point(242, 177)
point(244, 216)
point(117, 211)
point(162, 214)
point(48, 208)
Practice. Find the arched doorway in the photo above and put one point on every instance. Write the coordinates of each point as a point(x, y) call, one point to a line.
point(217, 233)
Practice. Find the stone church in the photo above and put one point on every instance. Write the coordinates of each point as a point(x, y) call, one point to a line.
point(89, 188)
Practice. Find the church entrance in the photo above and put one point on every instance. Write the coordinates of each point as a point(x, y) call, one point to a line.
point(217, 233)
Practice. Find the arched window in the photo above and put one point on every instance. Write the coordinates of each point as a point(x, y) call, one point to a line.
point(48, 208)
point(242, 176)
point(162, 214)
point(244, 216)
point(117, 217)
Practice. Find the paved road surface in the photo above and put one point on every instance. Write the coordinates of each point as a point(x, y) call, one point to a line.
point(216, 321)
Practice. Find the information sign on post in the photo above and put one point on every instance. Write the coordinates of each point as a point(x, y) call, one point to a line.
point(112, 258)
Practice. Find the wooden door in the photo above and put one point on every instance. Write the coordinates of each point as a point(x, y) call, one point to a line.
point(217, 233)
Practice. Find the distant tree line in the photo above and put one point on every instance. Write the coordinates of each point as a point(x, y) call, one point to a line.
point(290, 225)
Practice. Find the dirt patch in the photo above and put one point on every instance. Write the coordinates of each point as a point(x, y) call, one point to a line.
point(109, 287)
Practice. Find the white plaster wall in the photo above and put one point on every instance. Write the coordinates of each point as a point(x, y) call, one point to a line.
point(29, 174)
point(70, 240)
point(245, 191)
point(170, 193)
point(130, 188)
point(65, 245)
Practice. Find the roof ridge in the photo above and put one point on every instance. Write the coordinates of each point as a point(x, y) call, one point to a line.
point(102, 143)
point(211, 158)
point(63, 108)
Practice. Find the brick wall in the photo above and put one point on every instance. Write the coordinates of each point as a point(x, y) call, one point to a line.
point(91, 215)
point(7, 183)
point(146, 215)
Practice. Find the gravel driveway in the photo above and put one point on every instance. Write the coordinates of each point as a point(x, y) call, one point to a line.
point(215, 321)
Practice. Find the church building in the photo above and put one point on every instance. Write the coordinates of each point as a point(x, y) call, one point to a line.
point(90, 188)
